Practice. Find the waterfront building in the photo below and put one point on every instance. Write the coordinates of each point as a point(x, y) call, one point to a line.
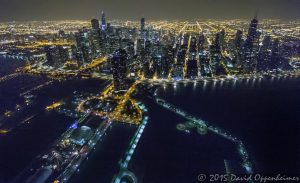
point(250, 48)
point(216, 55)
point(119, 69)
point(191, 69)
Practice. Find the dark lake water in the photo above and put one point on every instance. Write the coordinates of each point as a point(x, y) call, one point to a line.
point(264, 114)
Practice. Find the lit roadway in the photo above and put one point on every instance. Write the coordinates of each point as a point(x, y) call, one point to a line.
point(95, 63)
point(105, 93)
point(57, 74)
point(117, 115)
point(129, 153)
point(44, 43)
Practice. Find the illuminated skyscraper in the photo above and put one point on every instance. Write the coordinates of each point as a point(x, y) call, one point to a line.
point(264, 55)
point(250, 48)
point(119, 69)
point(56, 55)
point(52, 54)
point(205, 68)
point(103, 22)
point(177, 72)
point(95, 38)
point(276, 61)
point(216, 54)
point(84, 46)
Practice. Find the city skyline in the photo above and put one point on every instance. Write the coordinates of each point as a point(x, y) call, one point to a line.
point(110, 100)
point(155, 10)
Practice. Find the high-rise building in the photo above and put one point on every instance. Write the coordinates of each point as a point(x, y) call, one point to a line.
point(103, 22)
point(264, 55)
point(64, 53)
point(96, 38)
point(119, 69)
point(147, 67)
point(250, 48)
point(205, 68)
point(163, 62)
point(84, 46)
point(178, 68)
point(276, 60)
point(143, 31)
point(237, 45)
point(177, 72)
point(56, 55)
point(128, 45)
point(216, 55)
point(191, 69)
point(200, 43)
point(148, 47)
point(193, 44)
point(222, 39)
point(52, 55)
point(95, 24)
point(140, 46)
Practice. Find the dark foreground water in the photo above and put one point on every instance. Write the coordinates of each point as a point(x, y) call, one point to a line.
point(264, 114)
point(8, 66)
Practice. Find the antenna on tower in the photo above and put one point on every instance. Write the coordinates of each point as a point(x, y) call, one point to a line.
point(256, 13)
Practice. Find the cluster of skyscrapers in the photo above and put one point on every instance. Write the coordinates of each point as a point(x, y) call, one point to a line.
point(153, 53)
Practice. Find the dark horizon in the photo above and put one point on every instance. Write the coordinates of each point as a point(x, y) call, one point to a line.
point(34, 10)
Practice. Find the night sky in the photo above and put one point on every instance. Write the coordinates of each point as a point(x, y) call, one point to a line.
point(151, 9)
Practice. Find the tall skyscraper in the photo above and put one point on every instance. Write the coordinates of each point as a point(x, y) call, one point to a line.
point(191, 69)
point(84, 46)
point(200, 43)
point(205, 68)
point(119, 69)
point(95, 24)
point(264, 55)
point(56, 55)
point(140, 46)
point(216, 54)
point(222, 39)
point(103, 22)
point(178, 68)
point(237, 44)
point(96, 38)
point(52, 55)
point(250, 48)
point(142, 31)
point(276, 61)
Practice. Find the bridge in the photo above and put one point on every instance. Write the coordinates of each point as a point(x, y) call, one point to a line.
point(124, 173)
